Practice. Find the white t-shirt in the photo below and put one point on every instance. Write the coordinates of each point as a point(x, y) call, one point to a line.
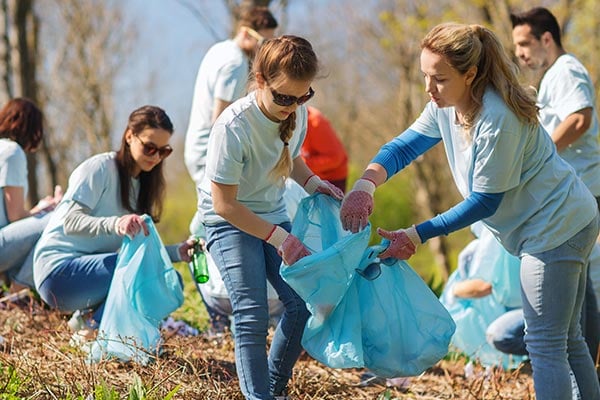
point(93, 184)
point(13, 172)
point(544, 203)
point(243, 148)
point(566, 88)
point(223, 75)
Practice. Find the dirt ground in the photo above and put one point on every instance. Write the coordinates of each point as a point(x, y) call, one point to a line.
point(37, 362)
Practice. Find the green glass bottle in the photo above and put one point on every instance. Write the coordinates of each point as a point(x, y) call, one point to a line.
point(199, 264)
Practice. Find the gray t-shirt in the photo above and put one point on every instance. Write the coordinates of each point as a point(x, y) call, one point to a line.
point(13, 172)
point(94, 184)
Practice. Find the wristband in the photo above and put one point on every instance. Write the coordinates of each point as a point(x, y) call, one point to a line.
point(413, 235)
point(312, 183)
point(365, 185)
point(277, 236)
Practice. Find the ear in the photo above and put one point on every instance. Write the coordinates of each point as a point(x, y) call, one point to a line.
point(546, 38)
point(128, 136)
point(260, 80)
point(470, 75)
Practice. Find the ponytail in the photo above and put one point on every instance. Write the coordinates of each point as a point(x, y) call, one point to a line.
point(283, 168)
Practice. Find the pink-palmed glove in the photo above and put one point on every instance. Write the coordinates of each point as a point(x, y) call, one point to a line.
point(288, 246)
point(357, 206)
point(315, 184)
point(403, 243)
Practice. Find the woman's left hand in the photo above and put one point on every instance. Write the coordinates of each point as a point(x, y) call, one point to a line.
point(315, 184)
point(403, 243)
point(186, 248)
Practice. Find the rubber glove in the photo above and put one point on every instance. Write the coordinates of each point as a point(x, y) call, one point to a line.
point(288, 246)
point(357, 206)
point(403, 243)
point(315, 184)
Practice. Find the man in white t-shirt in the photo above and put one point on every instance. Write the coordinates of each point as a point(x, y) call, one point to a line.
point(567, 102)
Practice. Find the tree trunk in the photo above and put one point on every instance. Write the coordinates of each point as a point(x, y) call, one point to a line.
point(5, 72)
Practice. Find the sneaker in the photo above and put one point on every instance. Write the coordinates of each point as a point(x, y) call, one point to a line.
point(83, 339)
point(81, 320)
point(76, 322)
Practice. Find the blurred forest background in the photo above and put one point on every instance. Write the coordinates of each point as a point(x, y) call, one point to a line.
point(70, 56)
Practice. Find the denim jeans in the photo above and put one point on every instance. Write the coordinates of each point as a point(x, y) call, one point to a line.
point(553, 288)
point(245, 263)
point(507, 332)
point(80, 283)
point(17, 242)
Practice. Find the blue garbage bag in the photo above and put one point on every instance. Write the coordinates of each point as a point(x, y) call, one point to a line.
point(484, 258)
point(144, 290)
point(364, 313)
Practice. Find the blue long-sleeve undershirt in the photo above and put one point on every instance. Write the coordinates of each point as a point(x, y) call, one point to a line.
point(401, 151)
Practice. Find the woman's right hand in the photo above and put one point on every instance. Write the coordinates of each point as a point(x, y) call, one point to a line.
point(49, 203)
point(357, 206)
point(131, 225)
point(288, 246)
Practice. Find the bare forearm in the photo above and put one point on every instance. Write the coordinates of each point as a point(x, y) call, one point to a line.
point(375, 173)
point(571, 128)
point(244, 219)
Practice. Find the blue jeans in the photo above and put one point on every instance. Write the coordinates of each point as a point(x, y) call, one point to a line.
point(553, 288)
point(245, 263)
point(17, 242)
point(507, 332)
point(80, 283)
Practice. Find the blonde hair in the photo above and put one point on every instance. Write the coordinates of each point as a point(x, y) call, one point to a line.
point(285, 57)
point(465, 46)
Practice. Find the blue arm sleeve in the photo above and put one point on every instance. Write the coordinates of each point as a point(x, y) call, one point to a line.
point(402, 150)
point(472, 209)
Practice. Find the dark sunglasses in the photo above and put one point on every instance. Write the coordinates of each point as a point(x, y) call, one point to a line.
point(286, 100)
point(151, 149)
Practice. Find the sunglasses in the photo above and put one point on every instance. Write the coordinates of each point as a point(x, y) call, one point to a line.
point(286, 100)
point(151, 149)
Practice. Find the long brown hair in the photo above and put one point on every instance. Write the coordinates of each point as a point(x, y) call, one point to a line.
point(22, 121)
point(465, 46)
point(152, 183)
point(285, 57)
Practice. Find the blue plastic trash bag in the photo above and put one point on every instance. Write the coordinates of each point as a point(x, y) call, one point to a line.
point(364, 313)
point(502, 270)
point(486, 259)
point(144, 290)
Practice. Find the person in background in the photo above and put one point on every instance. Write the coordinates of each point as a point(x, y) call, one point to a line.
point(323, 151)
point(107, 195)
point(222, 78)
point(484, 287)
point(567, 102)
point(253, 147)
point(513, 180)
point(21, 131)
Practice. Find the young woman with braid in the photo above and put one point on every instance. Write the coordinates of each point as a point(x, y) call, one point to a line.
point(253, 147)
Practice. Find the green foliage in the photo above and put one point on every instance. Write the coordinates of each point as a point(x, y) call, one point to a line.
point(104, 392)
point(10, 383)
point(179, 208)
